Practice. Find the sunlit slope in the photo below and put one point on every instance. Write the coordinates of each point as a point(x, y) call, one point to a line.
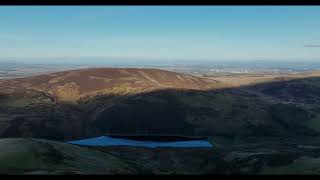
point(76, 84)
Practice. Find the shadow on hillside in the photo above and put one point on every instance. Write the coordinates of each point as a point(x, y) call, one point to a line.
point(253, 110)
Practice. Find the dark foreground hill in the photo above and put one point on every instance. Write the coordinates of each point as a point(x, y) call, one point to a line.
point(37, 156)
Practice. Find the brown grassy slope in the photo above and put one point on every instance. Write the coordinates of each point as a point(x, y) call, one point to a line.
point(75, 84)
point(252, 79)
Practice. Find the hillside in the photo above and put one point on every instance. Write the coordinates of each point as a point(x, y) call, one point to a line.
point(269, 126)
point(38, 156)
point(76, 84)
point(94, 102)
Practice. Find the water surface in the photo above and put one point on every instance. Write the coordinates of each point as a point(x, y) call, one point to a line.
point(111, 141)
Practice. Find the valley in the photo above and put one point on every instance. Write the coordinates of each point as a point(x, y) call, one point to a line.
point(159, 90)
point(250, 120)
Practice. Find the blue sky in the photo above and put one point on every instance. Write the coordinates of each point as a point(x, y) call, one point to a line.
point(150, 32)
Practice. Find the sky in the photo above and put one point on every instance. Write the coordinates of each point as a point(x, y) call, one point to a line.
point(161, 32)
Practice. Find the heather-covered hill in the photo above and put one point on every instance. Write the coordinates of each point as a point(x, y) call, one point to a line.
point(76, 84)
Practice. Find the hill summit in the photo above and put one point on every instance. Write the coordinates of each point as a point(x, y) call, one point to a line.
point(76, 84)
